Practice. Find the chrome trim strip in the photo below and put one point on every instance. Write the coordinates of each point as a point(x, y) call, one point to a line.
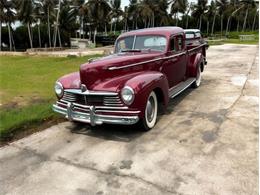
point(88, 92)
point(98, 107)
point(171, 90)
point(196, 47)
point(148, 61)
point(111, 104)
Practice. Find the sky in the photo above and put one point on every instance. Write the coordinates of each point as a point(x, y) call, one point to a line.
point(126, 2)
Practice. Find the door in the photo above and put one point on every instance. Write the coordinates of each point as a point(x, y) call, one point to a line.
point(175, 65)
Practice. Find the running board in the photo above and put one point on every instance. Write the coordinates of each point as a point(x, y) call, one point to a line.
point(174, 91)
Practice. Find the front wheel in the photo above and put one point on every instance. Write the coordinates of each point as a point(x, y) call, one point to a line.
point(151, 110)
point(197, 82)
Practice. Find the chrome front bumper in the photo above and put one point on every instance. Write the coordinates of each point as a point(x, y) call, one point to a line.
point(92, 117)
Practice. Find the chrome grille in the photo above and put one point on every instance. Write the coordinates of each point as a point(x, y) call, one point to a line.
point(113, 101)
point(70, 97)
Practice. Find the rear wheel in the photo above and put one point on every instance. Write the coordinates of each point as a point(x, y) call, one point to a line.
point(197, 82)
point(151, 110)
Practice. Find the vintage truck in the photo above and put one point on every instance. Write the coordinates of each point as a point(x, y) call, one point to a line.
point(148, 67)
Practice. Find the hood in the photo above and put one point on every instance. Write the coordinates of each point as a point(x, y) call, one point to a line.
point(95, 73)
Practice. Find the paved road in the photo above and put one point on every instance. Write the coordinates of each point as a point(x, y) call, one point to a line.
point(206, 143)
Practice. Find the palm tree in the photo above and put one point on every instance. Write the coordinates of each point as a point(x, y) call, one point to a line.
point(178, 6)
point(248, 4)
point(48, 7)
point(146, 13)
point(125, 18)
point(253, 25)
point(212, 12)
point(38, 14)
point(79, 8)
point(115, 12)
point(67, 21)
point(222, 6)
point(8, 16)
point(98, 11)
point(1, 21)
point(234, 11)
point(160, 7)
point(189, 6)
point(26, 15)
point(133, 12)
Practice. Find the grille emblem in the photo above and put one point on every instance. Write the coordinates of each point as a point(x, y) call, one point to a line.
point(83, 88)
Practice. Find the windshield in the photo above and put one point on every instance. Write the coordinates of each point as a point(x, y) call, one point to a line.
point(139, 43)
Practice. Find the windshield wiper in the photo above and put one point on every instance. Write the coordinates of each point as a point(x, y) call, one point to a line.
point(131, 50)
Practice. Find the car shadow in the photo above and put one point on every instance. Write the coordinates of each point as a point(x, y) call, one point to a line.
point(123, 133)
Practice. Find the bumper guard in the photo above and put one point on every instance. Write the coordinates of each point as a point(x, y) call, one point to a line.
point(92, 117)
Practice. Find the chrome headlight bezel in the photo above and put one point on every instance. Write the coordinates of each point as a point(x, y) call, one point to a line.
point(127, 95)
point(58, 88)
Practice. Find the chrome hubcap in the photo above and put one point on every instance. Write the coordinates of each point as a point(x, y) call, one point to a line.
point(198, 79)
point(150, 109)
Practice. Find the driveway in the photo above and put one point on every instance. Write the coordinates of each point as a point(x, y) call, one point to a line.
point(205, 143)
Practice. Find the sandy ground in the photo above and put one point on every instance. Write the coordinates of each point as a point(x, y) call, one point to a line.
point(206, 143)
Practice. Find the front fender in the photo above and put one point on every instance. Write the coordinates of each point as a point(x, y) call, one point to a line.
point(70, 81)
point(143, 84)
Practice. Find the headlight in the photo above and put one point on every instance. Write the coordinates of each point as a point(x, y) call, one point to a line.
point(58, 89)
point(127, 95)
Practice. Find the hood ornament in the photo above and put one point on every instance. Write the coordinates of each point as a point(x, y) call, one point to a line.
point(83, 87)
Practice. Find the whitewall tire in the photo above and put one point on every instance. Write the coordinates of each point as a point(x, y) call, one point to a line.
point(151, 111)
point(197, 82)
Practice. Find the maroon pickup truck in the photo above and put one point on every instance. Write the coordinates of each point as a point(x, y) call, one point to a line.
point(148, 67)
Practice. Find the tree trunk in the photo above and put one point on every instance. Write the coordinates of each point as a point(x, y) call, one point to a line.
point(213, 25)
point(49, 29)
point(153, 20)
point(115, 27)
point(9, 34)
point(13, 40)
point(221, 25)
point(57, 25)
point(111, 26)
point(244, 25)
point(59, 37)
point(95, 33)
point(200, 21)
point(83, 27)
point(208, 27)
point(126, 24)
point(105, 28)
point(227, 27)
point(187, 20)
point(238, 25)
point(177, 19)
point(39, 36)
point(29, 33)
point(253, 25)
point(0, 36)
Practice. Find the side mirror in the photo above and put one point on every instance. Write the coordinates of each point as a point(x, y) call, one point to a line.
point(90, 60)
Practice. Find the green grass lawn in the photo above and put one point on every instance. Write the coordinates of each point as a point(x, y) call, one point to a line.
point(26, 89)
point(233, 37)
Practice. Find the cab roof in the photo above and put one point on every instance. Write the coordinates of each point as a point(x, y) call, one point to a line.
point(191, 30)
point(165, 31)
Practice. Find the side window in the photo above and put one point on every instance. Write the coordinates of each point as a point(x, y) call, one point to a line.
point(172, 44)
